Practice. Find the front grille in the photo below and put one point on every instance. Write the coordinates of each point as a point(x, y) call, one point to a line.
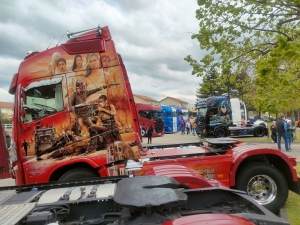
point(159, 125)
point(201, 130)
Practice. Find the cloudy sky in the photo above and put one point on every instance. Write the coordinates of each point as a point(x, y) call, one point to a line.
point(153, 37)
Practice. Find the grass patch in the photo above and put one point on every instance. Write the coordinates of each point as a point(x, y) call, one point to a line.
point(292, 204)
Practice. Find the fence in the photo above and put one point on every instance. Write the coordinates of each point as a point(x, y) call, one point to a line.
point(7, 126)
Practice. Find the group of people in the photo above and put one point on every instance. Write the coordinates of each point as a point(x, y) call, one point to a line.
point(59, 64)
point(283, 128)
point(184, 126)
point(84, 88)
point(188, 127)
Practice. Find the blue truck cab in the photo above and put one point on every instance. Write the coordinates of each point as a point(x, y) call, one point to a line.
point(170, 118)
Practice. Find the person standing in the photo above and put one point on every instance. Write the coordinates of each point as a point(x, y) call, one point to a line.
point(25, 146)
point(7, 139)
point(149, 133)
point(273, 132)
point(141, 129)
point(292, 121)
point(194, 126)
point(182, 126)
point(290, 131)
point(188, 127)
point(281, 127)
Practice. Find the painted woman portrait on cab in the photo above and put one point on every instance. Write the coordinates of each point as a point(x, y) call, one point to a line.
point(77, 66)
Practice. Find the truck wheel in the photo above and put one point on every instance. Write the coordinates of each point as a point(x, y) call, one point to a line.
point(259, 132)
point(143, 133)
point(265, 184)
point(219, 132)
point(78, 173)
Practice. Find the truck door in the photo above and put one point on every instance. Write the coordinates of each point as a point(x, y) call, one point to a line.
point(236, 111)
point(43, 122)
point(4, 166)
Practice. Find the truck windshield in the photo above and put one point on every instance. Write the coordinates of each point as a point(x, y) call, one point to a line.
point(42, 101)
point(157, 114)
point(202, 112)
point(145, 114)
point(185, 113)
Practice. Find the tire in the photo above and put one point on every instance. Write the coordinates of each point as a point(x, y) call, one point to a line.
point(143, 133)
point(265, 184)
point(219, 132)
point(78, 173)
point(259, 132)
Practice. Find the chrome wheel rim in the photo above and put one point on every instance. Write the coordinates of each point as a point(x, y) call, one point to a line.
point(262, 189)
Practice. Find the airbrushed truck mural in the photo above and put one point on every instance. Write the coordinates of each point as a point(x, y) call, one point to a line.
point(214, 116)
point(220, 111)
point(74, 107)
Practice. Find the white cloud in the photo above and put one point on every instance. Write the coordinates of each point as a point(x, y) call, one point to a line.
point(5, 96)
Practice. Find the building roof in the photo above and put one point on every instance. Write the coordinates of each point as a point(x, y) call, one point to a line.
point(6, 105)
point(175, 99)
point(145, 98)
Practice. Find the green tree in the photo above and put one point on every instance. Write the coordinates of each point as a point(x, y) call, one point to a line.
point(215, 83)
point(209, 86)
point(278, 78)
point(257, 36)
point(5, 118)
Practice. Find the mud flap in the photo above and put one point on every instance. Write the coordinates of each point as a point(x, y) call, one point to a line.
point(295, 186)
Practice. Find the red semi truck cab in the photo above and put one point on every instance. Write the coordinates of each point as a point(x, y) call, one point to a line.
point(150, 114)
point(74, 113)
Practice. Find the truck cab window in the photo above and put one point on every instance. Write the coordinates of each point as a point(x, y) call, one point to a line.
point(157, 114)
point(211, 113)
point(202, 112)
point(43, 100)
point(145, 114)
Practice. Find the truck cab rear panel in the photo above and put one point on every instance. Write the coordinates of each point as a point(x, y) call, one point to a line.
point(73, 104)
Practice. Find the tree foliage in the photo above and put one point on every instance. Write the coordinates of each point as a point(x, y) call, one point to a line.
point(217, 82)
point(254, 37)
point(278, 78)
point(4, 118)
point(209, 86)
